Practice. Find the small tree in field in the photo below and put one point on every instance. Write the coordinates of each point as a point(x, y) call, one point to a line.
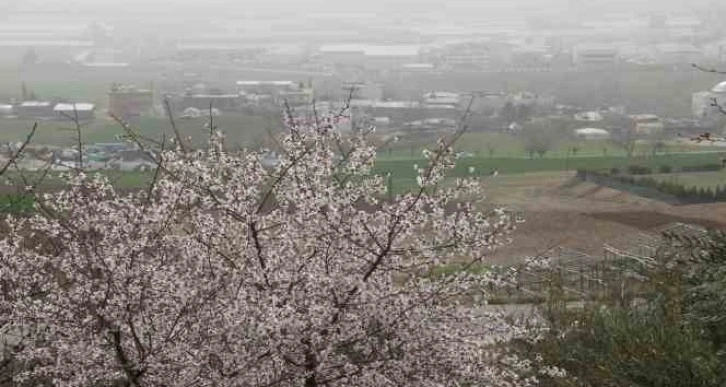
point(225, 272)
point(538, 137)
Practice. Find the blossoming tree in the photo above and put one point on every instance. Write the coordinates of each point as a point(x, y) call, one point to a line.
point(227, 272)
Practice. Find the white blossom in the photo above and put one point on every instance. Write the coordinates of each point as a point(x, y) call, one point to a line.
point(227, 272)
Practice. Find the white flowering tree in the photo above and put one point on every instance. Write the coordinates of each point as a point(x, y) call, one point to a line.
point(225, 272)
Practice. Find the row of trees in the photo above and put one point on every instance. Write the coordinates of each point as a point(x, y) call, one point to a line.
point(674, 188)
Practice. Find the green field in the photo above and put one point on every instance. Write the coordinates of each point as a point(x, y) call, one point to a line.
point(483, 166)
point(241, 130)
point(501, 145)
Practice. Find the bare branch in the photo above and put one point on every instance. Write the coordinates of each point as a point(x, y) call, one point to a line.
point(211, 119)
point(20, 150)
point(170, 116)
point(708, 70)
point(718, 106)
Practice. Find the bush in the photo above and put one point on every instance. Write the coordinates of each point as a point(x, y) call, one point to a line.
point(639, 170)
point(620, 347)
point(614, 171)
point(665, 169)
point(702, 168)
point(16, 204)
point(675, 337)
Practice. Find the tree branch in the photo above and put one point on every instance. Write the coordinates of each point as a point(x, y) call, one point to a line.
point(708, 70)
point(20, 150)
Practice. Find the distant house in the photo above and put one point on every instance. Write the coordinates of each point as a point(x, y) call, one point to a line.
point(41, 110)
point(364, 90)
point(6, 110)
point(589, 116)
point(129, 102)
point(438, 98)
point(592, 134)
point(370, 56)
point(73, 111)
point(646, 124)
point(592, 55)
point(418, 68)
point(133, 161)
point(278, 92)
point(191, 113)
point(296, 97)
point(110, 147)
point(222, 102)
point(264, 87)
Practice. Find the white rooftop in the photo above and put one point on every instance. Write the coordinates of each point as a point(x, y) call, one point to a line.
point(398, 50)
point(418, 66)
point(373, 50)
point(343, 48)
point(35, 104)
point(592, 131)
point(69, 107)
point(258, 83)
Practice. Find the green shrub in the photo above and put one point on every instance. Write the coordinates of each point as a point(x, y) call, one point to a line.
point(639, 170)
point(675, 337)
point(16, 204)
point(619, 347)
point(702, 168)
point(665, 169)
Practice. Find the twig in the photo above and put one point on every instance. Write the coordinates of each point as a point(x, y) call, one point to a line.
point(80, 140)
point(708, 70)
point(211, 119)
point(131, 134)
point(20, 150)
point(170, 115)
point(718, 106)
point(157, 171)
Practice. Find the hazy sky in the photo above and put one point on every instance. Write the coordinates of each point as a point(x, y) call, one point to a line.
point(348, 5)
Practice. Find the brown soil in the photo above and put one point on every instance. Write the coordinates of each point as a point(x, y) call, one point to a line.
point(561, 211)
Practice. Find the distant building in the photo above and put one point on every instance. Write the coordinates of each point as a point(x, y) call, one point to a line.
point(203, 102)
point(439, 98)
point(133, 161)
point(73, 111)
point(294, 98)
point(590, 116)
point(35, 110)
point(397, 111)
point(278, 92)
point(418, 68)
point(374, 57)
point(475, 56)
point(592, 134)
point(130, 102)
point(6, 110)
point(493, 102)
point(646, 124)
point(431, 124)
point(595, 56)
point(343, 54)
point(390, 57)
point(485, 102)
point(265, 87)
point(364, 90)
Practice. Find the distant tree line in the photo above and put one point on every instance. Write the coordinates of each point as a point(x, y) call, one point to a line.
point(680, 191)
